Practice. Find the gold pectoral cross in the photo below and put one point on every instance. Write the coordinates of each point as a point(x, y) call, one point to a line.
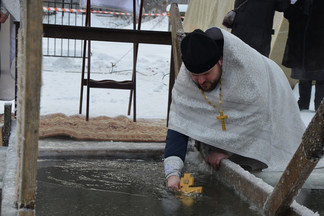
point(222, 118)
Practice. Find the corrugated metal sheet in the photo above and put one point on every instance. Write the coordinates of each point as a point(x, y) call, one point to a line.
point(206, 13)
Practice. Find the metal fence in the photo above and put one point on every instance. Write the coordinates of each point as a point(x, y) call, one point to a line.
point(53, 15)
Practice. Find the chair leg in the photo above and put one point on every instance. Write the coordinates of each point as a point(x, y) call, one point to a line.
point(130, 101)
point(134, 80)
point(88, 24)
point(88, 79)
point(134, 108)
point(82, 75)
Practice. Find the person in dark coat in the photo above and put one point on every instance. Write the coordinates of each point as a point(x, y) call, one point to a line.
point(254, 20)
point(304, 51)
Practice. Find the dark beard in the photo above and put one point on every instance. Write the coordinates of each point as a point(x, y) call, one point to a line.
point(214, 83)
point(212, 87)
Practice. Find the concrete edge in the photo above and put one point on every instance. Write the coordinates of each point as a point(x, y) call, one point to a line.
point(9, 191)
point(3, 156)
point(69, 148)
point(248, 185)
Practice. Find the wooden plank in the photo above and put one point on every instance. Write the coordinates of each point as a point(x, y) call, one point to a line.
point(300, 167)
point(107, 34)
point(177, 35)
point(29, 99)
point(112, 84)
point(7, 124)
point(26, 213)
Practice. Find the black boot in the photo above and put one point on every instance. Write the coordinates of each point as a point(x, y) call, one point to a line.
point(319, 93)
point(305, 90)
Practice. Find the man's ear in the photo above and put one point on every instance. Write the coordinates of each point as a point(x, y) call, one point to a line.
point(220, 61)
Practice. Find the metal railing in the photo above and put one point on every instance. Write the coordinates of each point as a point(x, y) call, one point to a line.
point(63, 47)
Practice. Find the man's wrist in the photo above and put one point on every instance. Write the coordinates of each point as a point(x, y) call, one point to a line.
point(173, 166)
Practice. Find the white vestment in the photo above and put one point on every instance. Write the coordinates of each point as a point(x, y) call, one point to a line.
point(264, 121)
point(13, 7)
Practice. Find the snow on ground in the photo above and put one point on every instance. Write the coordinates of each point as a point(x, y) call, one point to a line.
point(111, 60)
point(61, 77)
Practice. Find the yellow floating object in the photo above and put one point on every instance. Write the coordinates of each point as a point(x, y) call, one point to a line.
point(186, 183)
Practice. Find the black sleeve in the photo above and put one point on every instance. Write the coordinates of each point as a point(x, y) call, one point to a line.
point(281, 5)
point(176, 144)
point(294, 12)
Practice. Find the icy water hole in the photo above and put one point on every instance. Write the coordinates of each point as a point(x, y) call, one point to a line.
point(127, 187)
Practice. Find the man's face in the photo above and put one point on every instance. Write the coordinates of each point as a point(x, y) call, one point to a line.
point(207, 81)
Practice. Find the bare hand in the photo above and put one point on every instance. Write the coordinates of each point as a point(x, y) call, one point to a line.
point(174, 182)
point(3, 17)
point(214, 159)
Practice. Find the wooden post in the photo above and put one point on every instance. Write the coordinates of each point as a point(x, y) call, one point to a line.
point(29, 83)
point(177, 35)
point(299, 168)
point(7, 124)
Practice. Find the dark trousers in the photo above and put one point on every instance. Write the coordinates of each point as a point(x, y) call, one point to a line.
point(305, 89)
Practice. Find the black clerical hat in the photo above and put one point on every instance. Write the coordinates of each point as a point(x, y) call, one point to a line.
point(199, 52)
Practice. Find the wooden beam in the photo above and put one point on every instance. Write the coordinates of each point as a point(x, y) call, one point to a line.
point(26, 213)
point(300, 167)
point(107, 34)
point(7, 124)
point(29, 84)
point(177, 35)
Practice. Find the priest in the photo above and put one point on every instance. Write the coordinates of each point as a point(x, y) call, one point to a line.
point(234, 100)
